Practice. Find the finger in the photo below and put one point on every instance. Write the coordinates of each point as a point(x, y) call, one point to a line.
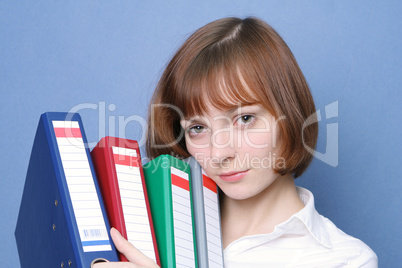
point(129, 251)
point(115, 265)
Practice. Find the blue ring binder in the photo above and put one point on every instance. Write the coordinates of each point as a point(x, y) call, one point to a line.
point(54, 222)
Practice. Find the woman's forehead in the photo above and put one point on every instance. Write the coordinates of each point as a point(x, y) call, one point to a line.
point(221, 95)
point(228, 110)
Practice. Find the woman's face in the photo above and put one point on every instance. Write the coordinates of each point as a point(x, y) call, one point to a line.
point(237, 148)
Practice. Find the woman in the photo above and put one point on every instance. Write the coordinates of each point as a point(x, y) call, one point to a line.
point(234, 98)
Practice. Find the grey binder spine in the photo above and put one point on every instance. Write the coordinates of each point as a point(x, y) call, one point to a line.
point(206, 217)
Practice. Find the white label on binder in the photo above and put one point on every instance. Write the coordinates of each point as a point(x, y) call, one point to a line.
point(182, 219)
point(81, 186)
point(135, 211)
point(212, 223)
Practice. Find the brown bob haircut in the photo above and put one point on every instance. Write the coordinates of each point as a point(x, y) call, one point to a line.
point(255, 66)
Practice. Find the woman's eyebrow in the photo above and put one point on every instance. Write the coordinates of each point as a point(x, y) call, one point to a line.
point(238, 108)
point(192, 120)
point(233, 110)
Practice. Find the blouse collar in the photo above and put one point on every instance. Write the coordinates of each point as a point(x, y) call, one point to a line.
point(305, 220)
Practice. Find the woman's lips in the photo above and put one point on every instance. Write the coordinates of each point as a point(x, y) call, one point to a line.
point(233, 176)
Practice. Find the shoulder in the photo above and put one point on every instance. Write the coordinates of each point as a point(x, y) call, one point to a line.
point(349, 248)
point(334, 247)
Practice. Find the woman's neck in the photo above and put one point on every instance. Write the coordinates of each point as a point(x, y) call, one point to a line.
point(260, 213)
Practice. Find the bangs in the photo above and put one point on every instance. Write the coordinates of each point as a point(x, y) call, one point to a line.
point(217, 82)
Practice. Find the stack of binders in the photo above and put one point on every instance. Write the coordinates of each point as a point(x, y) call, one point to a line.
point(167, 208)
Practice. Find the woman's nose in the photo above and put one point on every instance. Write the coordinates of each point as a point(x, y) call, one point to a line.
point(222, 145)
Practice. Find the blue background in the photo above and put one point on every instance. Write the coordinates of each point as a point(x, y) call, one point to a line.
point(103, 59)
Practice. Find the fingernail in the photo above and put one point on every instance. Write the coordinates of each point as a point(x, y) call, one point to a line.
point(115, 231)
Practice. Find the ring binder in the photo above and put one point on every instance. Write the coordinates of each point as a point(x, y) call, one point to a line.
point(169, 190)
point(207, 217)
point(62, 219)
point(118, 166)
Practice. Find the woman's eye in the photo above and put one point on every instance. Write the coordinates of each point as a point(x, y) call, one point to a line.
point(246, 119)
point(196, 129)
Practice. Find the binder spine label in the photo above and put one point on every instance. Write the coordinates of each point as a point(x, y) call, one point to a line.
point(81, 187)
point(212, 222)
point(182, 219)
point(133, 200)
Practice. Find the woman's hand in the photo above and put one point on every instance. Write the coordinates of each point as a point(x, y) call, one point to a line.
point(135, 257)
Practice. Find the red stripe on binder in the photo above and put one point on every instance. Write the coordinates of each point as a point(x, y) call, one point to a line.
point(180, 182)
point(62, 132)
point(125, 160)
point(209, 183)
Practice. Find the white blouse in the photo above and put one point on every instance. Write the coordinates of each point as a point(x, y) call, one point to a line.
point(307, 239)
